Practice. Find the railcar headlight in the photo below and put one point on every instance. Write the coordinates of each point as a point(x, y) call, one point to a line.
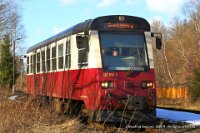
point(107, 84)
point(147, 84)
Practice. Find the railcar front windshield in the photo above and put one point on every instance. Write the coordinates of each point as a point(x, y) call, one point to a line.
point(122, 51)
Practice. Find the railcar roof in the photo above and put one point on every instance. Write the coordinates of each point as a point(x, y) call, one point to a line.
point(92, 24)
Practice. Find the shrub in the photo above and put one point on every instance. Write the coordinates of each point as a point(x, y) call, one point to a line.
point(194, 88)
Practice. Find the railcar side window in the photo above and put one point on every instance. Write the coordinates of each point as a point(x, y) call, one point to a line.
point(53, 58)
point(60, 56)
point(48, 58)
point(38, 62)
point(43, 60)
point(68, 55)
point(28, 64)
point(33, 63)
point(83, 49)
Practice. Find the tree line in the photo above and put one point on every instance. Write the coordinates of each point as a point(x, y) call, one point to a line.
point(10, 30)
point(178, 63)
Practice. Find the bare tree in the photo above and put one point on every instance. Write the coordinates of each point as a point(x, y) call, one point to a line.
point(181, 47)
point(163, 72)
point(10, 19)
point(192, 38)
point(10, 25)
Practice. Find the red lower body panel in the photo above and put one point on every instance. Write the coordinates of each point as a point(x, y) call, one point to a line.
point(85, 85)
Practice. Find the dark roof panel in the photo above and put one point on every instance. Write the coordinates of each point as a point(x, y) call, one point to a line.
point(93, 24)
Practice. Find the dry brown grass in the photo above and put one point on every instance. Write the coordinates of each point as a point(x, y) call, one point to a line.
point(26, 115)
point(179, 103)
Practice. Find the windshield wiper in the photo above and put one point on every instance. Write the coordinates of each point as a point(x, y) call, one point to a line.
point(130, 71)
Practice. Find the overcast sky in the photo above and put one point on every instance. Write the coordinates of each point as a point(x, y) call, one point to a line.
point(44, 18)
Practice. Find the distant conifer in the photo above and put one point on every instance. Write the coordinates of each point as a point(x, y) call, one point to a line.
point(194, 88)
point(6, 62)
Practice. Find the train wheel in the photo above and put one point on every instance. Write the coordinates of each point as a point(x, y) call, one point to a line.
point(67, 106)
point(72, 107)
point(42, 101)
point(45, 101)
point(58, 105)
point(83, 116)
point(93, 115)
point(76, 108)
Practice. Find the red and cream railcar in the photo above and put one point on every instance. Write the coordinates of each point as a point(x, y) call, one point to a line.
point(104, 64)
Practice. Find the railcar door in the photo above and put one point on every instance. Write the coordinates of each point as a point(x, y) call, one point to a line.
point(82, 43)
point(66, 81)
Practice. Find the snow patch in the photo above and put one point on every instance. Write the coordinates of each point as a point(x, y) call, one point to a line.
point(13, 97)
point(187, 117)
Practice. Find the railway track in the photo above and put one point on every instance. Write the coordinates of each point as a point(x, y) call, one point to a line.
point(162, 125)
point(180, 109)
